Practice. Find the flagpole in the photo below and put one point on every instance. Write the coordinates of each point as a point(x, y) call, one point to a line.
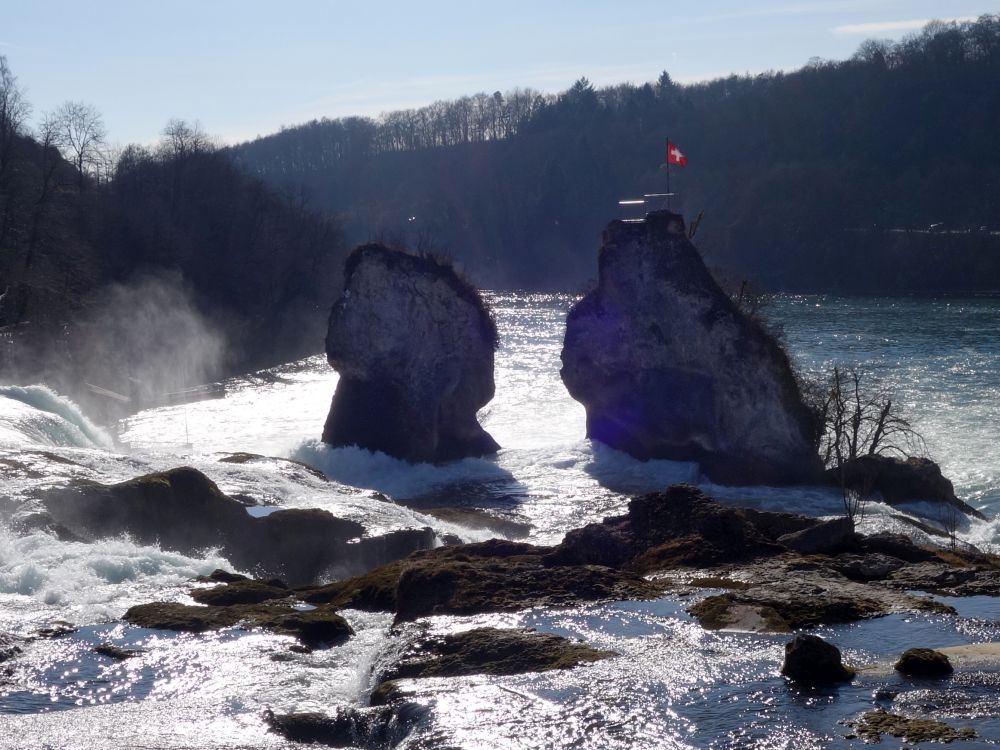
point(668, 184)
point(667, 162)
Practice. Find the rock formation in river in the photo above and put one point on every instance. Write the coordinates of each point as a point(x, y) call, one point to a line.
point(668, 367)
point(413, 344)
point(183, 510)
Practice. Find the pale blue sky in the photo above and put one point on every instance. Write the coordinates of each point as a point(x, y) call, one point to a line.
point(244, 67)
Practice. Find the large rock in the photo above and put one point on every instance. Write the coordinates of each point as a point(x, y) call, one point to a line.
point(871, 726)
point(490, 651)
point(785, 594)
point(682, 526)
point(183, 510)
point(810, 660)
point(924, 662)
point(468, 579)
point(900, 480)
point(315, 627)
point(668, 367)
point(413, 344)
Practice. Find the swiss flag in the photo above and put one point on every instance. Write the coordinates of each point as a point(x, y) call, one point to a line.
point(675, 155)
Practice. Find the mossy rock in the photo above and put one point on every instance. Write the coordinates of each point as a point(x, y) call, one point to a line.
point(723, 613)
point(809, 660)
point(374, 591)
point(240, 592)
point(320, 626)
point(924, 662)
point(493, 651)
point(872, 725)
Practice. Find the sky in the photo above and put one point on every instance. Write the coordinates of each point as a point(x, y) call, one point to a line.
point(244, 68)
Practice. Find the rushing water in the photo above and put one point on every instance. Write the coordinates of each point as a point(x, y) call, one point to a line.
point(672, 685)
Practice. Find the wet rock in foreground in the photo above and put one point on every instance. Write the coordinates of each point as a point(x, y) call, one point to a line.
point(183, 510)
point(679, 526)
point(473, 579)
point(491, 651)
point(770, 587)
point(872, 725)
point(348, 726)
point(924, 662)
point(809, 660)
point(316, 627)
point(493, 576)
point(414, 346)
point(787, 593)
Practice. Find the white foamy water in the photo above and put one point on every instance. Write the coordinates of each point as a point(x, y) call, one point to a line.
point(941, 357)
point(37, 414)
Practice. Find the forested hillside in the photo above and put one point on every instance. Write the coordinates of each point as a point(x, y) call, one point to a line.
point(828, 177)
point(148, 269)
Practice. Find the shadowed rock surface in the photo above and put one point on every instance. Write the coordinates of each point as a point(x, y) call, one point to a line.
point(320, 626)
point(771, 586)
point(810, 660)
point(183, 510)
point(414, 345)
point(493, 576)
point(924, 662)
point(348, 727)
point(787, 593)
point(680, 526)
point(668, 367)
point(491, 651)
point(900, 480)
point(504, 577)
point(9, 647)
point(872, 725)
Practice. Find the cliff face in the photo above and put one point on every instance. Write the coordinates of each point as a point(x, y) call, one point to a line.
point(413, 344)
point(667, 367)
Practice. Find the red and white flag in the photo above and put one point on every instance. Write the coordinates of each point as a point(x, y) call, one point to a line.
point(675, 155)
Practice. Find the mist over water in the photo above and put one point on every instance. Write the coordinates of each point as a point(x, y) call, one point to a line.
point(151, 328)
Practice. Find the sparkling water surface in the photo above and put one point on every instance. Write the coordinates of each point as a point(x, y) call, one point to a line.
point(672, 685)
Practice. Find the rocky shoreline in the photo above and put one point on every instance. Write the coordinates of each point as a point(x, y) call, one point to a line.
point(750, 571)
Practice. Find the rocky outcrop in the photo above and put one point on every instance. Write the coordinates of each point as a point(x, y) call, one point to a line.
point(490, 651)
point(183, 510)
point(809, 660)
point(682, 526)
point(348, 726)
point(668, 367)
point(872, 725)
point(823, 538)
point(924, 662)
point(785, 594)
point(836, 576)
point(315, 627)
point(900, 480)
point(10, 647)
point(504, 577)
point(468, 579)
point(414, 345)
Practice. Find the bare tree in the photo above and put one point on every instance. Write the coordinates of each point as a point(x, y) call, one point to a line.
point(859, 420)
point(81, 134)
point(181, 138)
point(856, 419)
point(14, 110)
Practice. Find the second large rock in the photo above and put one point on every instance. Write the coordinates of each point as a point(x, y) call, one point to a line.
point(668, 367)
point(413, 343)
